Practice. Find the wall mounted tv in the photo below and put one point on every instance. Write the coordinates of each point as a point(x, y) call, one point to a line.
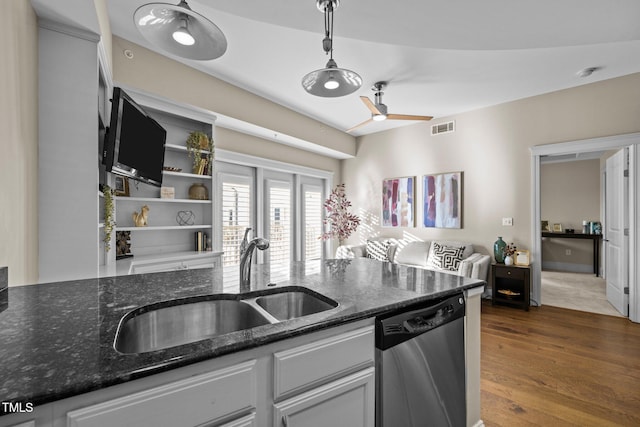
point(134, 143)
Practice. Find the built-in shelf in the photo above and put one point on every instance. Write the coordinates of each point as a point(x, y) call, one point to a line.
point(186, 175)
point(182, 148)
point(165, 227)
point(165, 245)
point(159, 200)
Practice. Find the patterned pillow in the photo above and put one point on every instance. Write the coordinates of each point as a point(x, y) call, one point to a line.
point(443, 257)
point(378, 249)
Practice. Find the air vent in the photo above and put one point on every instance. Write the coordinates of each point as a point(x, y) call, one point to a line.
point(443, 128)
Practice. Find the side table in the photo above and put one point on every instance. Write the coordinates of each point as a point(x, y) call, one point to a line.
point(511, 285)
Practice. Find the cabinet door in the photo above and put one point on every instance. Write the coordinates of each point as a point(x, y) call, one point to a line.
point(200, 400)
point(248, 421)
point(347, 402)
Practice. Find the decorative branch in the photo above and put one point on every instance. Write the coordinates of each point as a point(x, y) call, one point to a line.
point(341, 222)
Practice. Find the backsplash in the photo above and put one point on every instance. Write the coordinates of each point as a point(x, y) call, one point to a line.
point(4, 285)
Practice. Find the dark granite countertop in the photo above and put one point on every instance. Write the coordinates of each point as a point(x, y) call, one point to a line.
point(56, 339)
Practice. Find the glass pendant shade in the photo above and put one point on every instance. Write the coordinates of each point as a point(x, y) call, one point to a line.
point(180, 31)
point(331, 81)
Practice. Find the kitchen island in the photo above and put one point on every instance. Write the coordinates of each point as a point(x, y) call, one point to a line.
point(57, 340)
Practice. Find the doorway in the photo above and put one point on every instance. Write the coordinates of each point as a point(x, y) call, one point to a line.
point(613, 143)
point(572, 198)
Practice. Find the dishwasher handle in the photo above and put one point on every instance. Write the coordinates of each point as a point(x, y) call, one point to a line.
point(398, 327)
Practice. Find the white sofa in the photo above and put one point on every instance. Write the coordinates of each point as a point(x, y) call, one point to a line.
point(446, 256)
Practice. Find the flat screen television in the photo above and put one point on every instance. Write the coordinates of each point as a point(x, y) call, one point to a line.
point(134, 142)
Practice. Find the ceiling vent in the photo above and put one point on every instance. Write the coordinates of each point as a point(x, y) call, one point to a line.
point(443, 128)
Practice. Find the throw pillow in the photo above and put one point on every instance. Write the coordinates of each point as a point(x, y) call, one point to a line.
point(378, 249)
point(443, 257)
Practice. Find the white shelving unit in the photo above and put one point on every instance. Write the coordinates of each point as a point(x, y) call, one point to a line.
point(166, 243)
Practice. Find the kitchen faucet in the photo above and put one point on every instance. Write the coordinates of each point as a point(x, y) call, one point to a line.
point(246, 253)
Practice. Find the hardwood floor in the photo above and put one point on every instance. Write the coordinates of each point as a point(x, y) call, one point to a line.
point(558, 367)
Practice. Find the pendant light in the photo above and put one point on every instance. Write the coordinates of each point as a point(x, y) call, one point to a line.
point(330, 81)
point(180, 31)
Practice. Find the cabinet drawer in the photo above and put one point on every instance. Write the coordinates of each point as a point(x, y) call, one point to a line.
point(348, 401)
point(510, 273)
point(313, 364)
point(198, 400)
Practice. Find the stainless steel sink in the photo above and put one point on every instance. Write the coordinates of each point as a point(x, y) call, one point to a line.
point(292, 304)
point(183, 321)
point(145, 330)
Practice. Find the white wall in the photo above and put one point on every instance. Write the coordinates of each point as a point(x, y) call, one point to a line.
point(19, 141)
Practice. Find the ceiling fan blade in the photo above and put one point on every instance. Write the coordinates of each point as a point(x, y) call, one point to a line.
point(370, 105)
point(361, 124)
point(407, 117)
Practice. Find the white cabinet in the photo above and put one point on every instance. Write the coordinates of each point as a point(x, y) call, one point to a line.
point(173, 223)
point(328, 382)
point(347, 402)
point(170, 262)
point(67, 152)
point(324, 378)
point(300, 368)
point(207, 398)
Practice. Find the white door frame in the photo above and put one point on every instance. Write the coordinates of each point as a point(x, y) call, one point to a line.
point(615, 142)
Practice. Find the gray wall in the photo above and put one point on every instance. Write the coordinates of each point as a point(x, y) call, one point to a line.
point(491, 146)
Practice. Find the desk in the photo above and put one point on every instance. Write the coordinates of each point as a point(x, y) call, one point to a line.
point(596, 238)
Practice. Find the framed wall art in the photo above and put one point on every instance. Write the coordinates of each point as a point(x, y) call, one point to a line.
point(442, 200)
point(398, 195)
point(522, 257)
point(121, 185)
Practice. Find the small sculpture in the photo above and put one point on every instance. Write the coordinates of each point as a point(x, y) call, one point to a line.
point(140, 219)
point(185, 218)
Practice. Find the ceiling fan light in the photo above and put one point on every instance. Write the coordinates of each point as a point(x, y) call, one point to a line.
point(379, 117)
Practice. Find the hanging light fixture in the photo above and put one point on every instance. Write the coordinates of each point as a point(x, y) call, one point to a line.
point(180, 31)
point(330, 81)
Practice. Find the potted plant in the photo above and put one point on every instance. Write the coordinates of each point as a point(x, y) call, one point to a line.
point(509, 250)
point(200, 148)
point(341, 222)
point(109, 221)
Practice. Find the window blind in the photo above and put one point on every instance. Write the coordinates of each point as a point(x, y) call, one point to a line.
point(236, 217)
point(312, 224)
point(279, 225)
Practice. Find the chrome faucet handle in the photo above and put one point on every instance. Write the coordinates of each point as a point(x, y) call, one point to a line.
point(245, 261)
point(245, 243)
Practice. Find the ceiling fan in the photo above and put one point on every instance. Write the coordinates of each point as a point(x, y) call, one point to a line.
point(379, 110)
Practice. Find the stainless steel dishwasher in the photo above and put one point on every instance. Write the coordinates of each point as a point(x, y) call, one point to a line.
point(420, 370)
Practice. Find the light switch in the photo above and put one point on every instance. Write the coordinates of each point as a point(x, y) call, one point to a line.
point(507, 221)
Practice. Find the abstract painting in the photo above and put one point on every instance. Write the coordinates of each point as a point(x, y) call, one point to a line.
point(397, 202)
point(442, 200)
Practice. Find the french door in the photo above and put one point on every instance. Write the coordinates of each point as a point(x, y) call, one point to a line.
point(285, 208)
point(616, 243)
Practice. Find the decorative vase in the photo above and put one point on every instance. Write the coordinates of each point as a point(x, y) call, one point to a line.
point(498, 250)
point(508, 260)
point(198, 192)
